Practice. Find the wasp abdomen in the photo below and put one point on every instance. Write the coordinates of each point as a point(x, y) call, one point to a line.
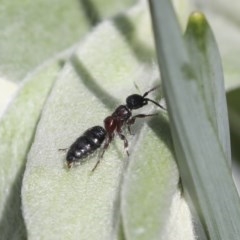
point(86, 144)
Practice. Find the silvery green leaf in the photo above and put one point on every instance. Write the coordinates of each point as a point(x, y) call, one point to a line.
point(207, 65)
point(33, 31)
point(17, 128)
point(7, 90)
point(203, 165)
point(224, 15)
point(150, 202)
point(96, 80)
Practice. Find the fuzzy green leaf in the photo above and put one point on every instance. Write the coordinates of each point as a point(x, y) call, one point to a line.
point(98, 78)
point(17, 128)
point(33, 31)
point(148, 205)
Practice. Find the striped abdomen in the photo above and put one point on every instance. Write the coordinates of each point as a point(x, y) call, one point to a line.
point(86, 144)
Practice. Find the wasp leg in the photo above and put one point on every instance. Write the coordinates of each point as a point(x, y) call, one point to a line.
point(132, 120)
point(106, 144)
point(122, 137)
point(63, 149)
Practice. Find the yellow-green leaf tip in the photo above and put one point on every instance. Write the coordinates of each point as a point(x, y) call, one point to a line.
point(198, 29)
point(198, 20)
point(197, 23)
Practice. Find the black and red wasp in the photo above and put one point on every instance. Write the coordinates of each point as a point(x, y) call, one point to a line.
point(94, 137)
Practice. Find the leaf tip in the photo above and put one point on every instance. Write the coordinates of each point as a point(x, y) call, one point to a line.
point(197, 23)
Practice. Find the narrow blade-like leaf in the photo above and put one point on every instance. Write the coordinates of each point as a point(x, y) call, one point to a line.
point(206, 62)
point(202, 162)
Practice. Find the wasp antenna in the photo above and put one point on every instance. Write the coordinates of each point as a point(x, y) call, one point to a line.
point(150, 100)
point(146, 93)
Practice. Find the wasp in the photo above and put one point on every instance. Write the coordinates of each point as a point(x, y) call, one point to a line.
point(97, 136)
